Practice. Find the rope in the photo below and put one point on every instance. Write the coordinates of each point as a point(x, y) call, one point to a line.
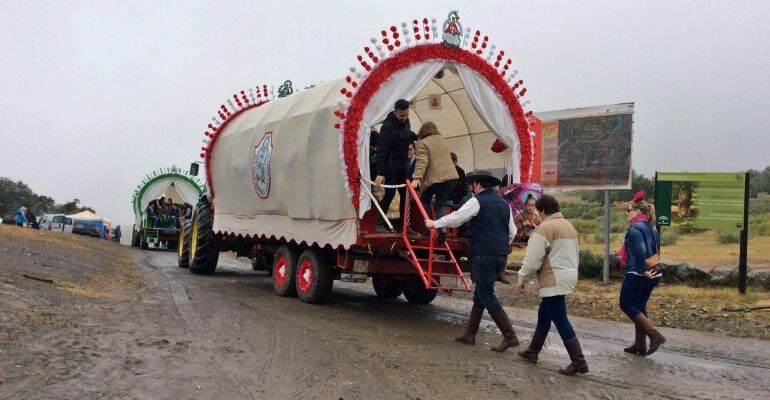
point(377, 204)
point(383, 186)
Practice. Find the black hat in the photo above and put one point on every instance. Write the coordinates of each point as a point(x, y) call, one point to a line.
point(482, 176)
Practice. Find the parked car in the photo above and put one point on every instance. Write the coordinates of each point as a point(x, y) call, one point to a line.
point(82, 228)
point(56, 222)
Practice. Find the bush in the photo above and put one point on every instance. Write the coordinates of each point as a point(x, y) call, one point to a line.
point(759, 205)
point(590, 265)
point(583, 226)
point(688, 228)
point(731, 236)
point(581, 210)
point(668, 237)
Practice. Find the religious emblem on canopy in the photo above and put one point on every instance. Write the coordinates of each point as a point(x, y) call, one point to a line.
point(452, 30)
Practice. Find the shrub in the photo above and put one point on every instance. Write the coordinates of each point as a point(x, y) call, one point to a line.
point(759, 205)
point(584, 226)
point(687, 228)
point(731, 236)
point(581, 210)
point(668, 237)
point(590, 265)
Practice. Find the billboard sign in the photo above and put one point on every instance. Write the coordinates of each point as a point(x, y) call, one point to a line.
point(587, 148)
point(710, 200)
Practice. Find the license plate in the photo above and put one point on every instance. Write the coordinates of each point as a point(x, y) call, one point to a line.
point(353, 277)
point(360, 266)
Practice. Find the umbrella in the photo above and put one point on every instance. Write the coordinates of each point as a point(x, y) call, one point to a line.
point(517, 194)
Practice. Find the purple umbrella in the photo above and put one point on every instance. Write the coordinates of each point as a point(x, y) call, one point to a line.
point(517, 194)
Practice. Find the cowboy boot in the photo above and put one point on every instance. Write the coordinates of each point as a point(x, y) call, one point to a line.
point(640, 343)
point(578, 364)
point(469, 337)
point(656, 339)
point(535, 345)
point(506, 328)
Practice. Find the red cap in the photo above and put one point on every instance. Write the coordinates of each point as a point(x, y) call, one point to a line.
point(639, 196)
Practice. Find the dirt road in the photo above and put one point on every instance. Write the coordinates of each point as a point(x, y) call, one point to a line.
point(228, 336)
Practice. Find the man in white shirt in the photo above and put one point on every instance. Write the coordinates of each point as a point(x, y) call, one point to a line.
point(492, 231)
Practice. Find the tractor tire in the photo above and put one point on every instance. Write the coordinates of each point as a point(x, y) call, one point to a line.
point(205, 254)
point(416, 293)
point(183, 250)
point(143, 245)
point(284, 271)
point(387, 287)
point(315, 277)
point(136, 238)
point(262, 261)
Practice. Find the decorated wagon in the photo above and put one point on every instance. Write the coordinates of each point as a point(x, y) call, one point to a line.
point(153, 227)
point(288, 180)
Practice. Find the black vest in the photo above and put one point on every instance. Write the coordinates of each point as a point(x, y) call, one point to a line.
point(489, 228)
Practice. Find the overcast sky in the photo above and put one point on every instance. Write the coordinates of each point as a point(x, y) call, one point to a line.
point(96, 94)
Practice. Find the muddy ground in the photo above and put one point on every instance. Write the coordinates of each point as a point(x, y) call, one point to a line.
point(115, 322)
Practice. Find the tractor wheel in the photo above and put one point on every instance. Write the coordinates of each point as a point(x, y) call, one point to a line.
point(284, 271)
point(387, 287)
point(262, 261)
point(416, 293)
point(315, 277)
point(183, 249)
point(136, 238)
point(204, 245)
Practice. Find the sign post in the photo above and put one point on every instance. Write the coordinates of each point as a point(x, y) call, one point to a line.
point(743, 254)
point(606, 271)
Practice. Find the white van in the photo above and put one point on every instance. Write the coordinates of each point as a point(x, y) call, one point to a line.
point(56, 222)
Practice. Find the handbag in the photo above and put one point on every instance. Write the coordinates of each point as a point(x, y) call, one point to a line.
point(652, 262)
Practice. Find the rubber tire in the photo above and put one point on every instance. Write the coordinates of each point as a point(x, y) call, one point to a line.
point(135, 239)
point(143, 244)
point(387, 287)
point(183, 257)
point(416, 293)
point(207, 246)
point(262, 261)
point(322, 277)
point(289, 287)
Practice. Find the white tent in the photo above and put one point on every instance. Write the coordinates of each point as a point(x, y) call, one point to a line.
point(88, 216)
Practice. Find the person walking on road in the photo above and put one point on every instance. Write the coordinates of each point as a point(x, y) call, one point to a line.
point(434, 173)
point(641, 243)
point(492, 231)
point(552, 258)
point(391, 158)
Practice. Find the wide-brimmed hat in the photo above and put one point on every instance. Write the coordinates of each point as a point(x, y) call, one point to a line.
point(482, 176)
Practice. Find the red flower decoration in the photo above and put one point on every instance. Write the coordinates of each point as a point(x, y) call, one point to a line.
point(405, 59)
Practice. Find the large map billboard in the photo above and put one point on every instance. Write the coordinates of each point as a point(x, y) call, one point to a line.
point(587, 148)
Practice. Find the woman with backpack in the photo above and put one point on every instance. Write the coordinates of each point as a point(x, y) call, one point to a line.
point(640, 256)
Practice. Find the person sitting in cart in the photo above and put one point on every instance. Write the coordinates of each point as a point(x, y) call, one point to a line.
point(391, 158)
point(492, 231)
point(527, 220)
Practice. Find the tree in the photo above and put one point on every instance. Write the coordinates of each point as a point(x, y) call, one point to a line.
point(638, 182)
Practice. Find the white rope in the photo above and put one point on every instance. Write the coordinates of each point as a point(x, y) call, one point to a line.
point(377, 204)
point(383, 186)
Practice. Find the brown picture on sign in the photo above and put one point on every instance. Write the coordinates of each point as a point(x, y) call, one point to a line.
point(434, 102)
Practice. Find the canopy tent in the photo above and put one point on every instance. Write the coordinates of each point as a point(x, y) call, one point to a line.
point(170, 183)
point(88, 216)
point(277, 167)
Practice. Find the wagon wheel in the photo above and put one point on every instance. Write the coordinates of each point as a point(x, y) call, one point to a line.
point(284, 270)
point(416, 293)
point(183, 247)
point(387, 287)
point(136, 237)
point(204, 248)
point(315, 277)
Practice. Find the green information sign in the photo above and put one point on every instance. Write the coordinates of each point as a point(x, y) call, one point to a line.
point(712, 200)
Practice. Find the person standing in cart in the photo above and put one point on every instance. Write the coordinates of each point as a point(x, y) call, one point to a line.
point(492, 231)
point(391, 158)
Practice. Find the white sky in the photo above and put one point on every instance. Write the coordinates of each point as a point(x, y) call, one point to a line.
point(95, 94)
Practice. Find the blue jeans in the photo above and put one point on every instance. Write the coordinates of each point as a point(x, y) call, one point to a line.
point(442, 191)
point(634, 293)
point(554, 309)
point(485, 270)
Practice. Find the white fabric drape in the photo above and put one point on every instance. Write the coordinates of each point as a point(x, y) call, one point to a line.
point(404, 84)
point(188, 192)
point(495, 114)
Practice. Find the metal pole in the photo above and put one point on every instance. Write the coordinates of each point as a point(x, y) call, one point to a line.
point(742, 264)
point(606, 275)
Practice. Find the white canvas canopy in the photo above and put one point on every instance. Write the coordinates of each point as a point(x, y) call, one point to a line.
point(88, 216)
point(307, 201)
point(170, 186)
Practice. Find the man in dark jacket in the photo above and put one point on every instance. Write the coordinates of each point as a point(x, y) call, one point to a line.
point(391, 158)
point(492, 230)
point(460, 191)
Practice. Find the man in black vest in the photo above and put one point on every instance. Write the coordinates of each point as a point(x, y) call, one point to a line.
point(492, 230)
point(391, 160)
